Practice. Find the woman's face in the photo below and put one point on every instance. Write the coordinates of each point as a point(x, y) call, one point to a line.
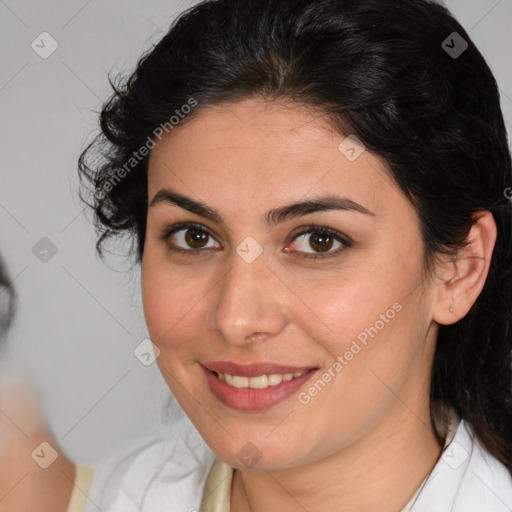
point(241, 292)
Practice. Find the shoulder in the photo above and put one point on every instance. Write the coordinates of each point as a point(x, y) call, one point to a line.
point(466, 478)
point(161, 472)
point(487, 482)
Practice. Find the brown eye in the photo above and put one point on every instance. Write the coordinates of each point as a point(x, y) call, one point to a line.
point(317, 242)
point(321, 242)
point(188, 238)
point(196, 238)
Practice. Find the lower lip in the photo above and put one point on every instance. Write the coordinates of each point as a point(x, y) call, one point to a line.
point(248, 399)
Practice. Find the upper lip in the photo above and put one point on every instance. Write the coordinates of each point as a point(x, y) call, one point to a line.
point(253, 370)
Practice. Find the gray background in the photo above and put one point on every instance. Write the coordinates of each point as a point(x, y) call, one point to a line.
point(80, 319)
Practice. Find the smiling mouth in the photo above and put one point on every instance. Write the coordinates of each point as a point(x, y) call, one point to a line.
point(260, 386)
point(259, 381)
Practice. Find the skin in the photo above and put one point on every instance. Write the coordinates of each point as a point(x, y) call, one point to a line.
point(365, 442)
point(24, 485)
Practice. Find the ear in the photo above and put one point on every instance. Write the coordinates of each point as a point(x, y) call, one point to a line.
point(463, 277)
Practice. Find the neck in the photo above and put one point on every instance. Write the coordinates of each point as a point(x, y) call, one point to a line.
point(381, 471)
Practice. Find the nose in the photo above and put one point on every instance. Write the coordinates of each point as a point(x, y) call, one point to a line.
point(249, 303)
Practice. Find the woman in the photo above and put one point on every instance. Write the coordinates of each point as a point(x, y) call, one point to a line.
point(316, 196)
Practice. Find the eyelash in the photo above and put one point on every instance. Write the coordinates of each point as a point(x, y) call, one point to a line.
point(306, 230)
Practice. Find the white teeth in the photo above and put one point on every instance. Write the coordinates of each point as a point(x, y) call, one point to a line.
point(258, 382)
point(274, 379)
point(240, 382)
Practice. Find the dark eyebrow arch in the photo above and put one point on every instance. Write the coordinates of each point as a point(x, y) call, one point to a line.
point(272, 217)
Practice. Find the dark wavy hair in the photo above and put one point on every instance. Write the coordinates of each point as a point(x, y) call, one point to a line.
point(382, 71)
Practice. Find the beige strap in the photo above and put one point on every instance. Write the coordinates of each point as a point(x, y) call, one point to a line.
point(217, 490)
point(82, 485)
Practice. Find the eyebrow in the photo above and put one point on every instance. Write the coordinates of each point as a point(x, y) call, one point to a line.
point(272, 217)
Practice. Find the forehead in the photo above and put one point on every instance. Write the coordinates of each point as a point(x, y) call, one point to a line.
point(261, 152)
point(250, 126)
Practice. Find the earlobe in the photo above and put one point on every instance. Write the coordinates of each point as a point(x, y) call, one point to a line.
point(465, 275)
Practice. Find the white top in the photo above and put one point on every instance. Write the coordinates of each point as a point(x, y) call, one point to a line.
point(168, 473)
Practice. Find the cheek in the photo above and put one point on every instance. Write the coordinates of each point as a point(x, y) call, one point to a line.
point(174, 301)
point(372, 347)
point(342, 306)
point(157, 303)
point(367, 313)
point(342, 316)
point(166, 300)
